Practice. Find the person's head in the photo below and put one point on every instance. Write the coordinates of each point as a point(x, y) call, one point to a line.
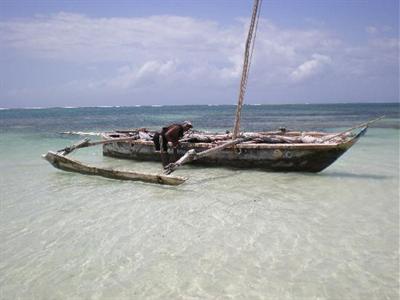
point(187, 125)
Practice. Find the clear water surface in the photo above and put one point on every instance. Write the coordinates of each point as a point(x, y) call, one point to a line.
point(225, 234)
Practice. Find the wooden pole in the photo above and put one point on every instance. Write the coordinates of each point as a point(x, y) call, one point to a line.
point(191, 155)
point(86, 143)
point(366, 124)
point(246, 66)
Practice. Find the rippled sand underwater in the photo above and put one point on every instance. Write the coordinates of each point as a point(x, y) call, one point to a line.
point(225, 234)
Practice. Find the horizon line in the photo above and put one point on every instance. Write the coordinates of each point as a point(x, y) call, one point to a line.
point(210, 105)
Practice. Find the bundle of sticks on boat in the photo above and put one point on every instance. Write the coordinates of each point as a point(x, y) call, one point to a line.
point(267, 137)
point(270, 137)
point(281, 136)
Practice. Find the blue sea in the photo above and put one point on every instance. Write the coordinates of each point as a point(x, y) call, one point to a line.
point(224, 234)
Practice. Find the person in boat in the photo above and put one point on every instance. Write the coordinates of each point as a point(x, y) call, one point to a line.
point(171, 133)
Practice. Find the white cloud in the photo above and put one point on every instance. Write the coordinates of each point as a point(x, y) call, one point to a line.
point(78, 38)
point(378, 29)
point(371, 29)
point(81, 39)
point(385, 43)
point(146, 74)
point(136, 54)
point(311, 67)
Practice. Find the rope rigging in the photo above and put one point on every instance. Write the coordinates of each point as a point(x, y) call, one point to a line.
point(248, 54)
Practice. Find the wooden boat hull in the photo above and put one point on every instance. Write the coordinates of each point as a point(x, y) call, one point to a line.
point(270, 157)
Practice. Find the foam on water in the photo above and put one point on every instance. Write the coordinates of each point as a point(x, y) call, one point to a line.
point(225, 233)
point(81, 133)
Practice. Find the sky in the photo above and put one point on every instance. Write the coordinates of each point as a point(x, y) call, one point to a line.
point(147, 52)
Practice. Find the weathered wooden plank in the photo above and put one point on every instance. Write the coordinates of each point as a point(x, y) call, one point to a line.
point(246, 146)
point(67, 164)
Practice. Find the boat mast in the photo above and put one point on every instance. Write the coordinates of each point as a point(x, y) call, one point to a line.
point(246, 63)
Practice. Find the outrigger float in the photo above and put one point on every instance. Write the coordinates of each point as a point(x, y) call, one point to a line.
point(60, 161)
point(272, 151)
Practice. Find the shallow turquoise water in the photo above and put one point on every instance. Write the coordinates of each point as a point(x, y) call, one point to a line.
point(223, 234)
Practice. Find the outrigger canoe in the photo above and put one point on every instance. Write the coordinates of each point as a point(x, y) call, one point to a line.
point(271, 151)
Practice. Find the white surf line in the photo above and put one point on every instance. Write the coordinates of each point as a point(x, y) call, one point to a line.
point(81, 133)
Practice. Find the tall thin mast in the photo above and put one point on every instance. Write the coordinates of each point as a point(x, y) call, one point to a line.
point(246, 64)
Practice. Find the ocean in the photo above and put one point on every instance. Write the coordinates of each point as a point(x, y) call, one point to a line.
point(224, 234)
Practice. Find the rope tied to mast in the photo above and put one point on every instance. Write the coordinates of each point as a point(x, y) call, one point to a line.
point(248, 54)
